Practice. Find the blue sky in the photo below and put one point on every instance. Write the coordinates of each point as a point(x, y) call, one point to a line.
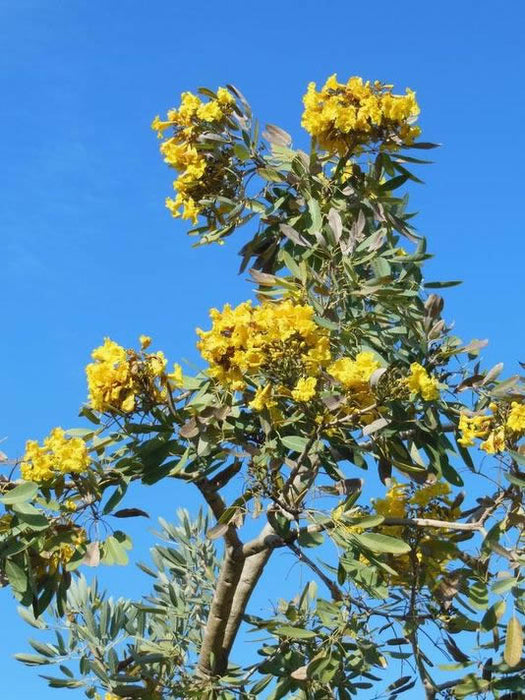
point(88, 248)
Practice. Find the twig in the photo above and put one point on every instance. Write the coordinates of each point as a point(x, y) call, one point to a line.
point(332, 587)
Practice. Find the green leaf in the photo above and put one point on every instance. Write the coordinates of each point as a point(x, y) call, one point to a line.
point(20, 494)
point(115, 498)
point(294, 632)
point(315, 215)
point(294, 442)
point(442, 285)
point(115, 551)
point(32, 659)
point(478, 596)
point(394, 183)
point(515, 480)
point(31, 516)
point(503, 585)
point(471, 685)
point(517, 457)
point(310, 539)
point(513, 642)
point(450, 473)
point(17, 576)
point(382, 543)
point(270, 174)
point(493, 615)
point(241, 152)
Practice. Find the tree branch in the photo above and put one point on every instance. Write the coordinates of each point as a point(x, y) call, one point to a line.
point(215, 502)
point(332, 587)
point(213, 658)
point(251, 573)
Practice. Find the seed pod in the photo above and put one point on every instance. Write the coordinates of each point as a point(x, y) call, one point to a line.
point(434, 305)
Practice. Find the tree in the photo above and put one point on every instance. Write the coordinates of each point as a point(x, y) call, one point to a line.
point(341, 380)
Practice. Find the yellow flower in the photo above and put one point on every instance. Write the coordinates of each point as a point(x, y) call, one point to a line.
point(156, 363)
point(495, 442)
point(110, 381)
point(145, 342)
point(123, 380)
point(304, 389)
point(263, 399)
point(201, 166)
point(224, 97)
point(246, 340)
point(353, 374)
point(394, 504)
point(210, 112)
point(420, 382)
point(472, 427)
point(58, 455)
point(347, 117)
point(175, 378)
point(425, 494)
point(516, 418)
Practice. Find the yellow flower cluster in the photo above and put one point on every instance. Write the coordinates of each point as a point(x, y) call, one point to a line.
point(346, 117)
point(516, 418)
point(185, 152)
point(304, 389)
point(420, 382)
point(280, 341)
point(58, 455)
point(505, 424)
point(118, 379)
point(354, 376)
point(394, 504)
point(434, 550)
point(472, 427)
point(423, 496)
point(263, 399)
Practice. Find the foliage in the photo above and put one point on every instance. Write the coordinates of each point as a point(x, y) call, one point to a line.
point(343, 365)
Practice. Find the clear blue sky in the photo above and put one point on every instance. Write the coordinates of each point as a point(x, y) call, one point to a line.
point(88, 248)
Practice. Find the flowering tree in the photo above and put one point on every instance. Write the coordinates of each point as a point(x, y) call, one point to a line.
point(342, 380)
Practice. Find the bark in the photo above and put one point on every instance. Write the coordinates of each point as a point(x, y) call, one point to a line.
point(213, 658)
point(251, 573)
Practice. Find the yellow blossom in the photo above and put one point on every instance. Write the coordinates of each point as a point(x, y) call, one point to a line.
point(210, 112)
point(425, 494)
point(304, 389)
point(394, 504)
point(353, 374)
point(175, 377)
point(57, 456)
point(123, 380)
point(472, 427)
point(201, 167)
point(145, 342)
point(224, 97)
point(110, 381)
point(263, 399)
point(347, 117)
point(282, 337)
point(420, 382)
point(516, 418)
point(495, 441)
